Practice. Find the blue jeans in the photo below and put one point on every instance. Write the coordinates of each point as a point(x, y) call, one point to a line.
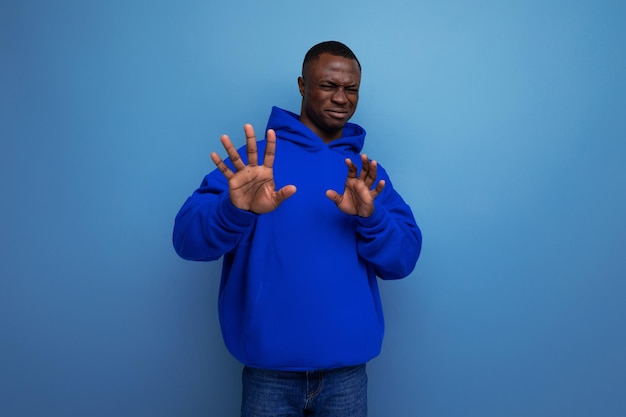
point(338, 392)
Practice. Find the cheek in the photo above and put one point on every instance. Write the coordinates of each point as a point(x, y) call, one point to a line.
point(316, 102)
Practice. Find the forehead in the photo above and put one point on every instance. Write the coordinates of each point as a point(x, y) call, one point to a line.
point(332, 66)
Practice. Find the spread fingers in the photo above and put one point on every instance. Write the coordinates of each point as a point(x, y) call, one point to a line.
point(232, 153)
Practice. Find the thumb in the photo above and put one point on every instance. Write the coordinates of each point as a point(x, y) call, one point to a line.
point(284, 193)
point(333, 196)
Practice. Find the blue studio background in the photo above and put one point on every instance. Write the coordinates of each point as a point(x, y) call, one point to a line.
point(501, 123)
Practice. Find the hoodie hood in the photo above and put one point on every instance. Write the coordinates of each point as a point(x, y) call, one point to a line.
point(289, 127)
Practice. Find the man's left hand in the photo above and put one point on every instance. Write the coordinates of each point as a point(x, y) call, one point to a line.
point(358, 196)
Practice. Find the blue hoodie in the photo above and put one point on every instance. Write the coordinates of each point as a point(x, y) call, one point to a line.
point(298, 289)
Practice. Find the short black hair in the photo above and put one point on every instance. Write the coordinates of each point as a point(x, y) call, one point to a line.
point(329, 47)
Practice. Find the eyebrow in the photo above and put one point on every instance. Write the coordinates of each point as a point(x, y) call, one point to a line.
point(334, 84)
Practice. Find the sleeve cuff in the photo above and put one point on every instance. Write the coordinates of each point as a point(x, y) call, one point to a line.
point(236, 217)
point(373, 220)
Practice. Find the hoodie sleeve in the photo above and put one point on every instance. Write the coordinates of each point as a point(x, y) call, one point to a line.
point(390, 239)
point(208, 225)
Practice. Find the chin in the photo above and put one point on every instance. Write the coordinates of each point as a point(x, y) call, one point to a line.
point(338, 123)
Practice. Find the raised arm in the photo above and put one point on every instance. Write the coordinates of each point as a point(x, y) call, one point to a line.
point(389, 239)
point(225, 206)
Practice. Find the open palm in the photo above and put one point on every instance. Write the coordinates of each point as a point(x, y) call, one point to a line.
point(251, 187)
point(358, 196)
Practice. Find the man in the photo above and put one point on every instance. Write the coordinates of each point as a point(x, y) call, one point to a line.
point(299, 304)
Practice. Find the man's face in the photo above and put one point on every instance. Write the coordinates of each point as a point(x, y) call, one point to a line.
point(330, 92)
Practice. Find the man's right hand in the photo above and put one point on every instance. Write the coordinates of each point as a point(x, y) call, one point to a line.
point(252, 187)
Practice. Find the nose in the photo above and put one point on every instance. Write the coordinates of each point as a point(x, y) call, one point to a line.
point(340, 96)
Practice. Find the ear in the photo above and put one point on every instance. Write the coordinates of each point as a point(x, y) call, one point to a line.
point(301, 85)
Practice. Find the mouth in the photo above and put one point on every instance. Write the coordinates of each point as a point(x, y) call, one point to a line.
point(337, 113)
